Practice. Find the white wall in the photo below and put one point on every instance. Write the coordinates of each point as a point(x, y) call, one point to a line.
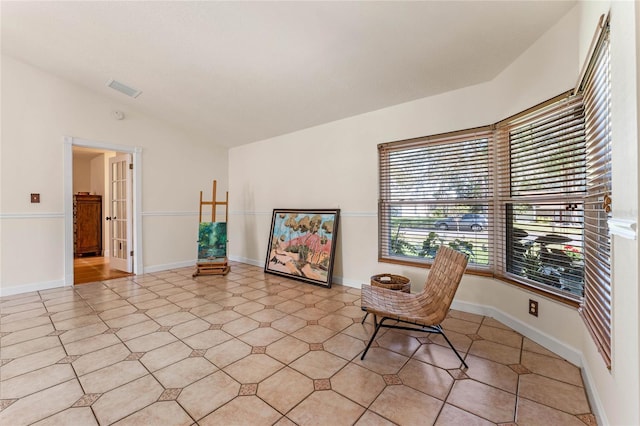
point(81, 174)
point(89, 174)
point(38, 110)
point(335, 165)
point(97, 175)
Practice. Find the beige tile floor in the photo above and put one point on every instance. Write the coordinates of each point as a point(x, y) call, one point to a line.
point(252, 349)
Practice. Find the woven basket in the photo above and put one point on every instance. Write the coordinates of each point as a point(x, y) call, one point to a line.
point(392, 282)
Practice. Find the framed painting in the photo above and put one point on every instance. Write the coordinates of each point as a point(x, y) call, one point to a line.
point(302, 244)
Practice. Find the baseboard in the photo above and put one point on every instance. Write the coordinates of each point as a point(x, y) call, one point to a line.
point(592, 393)
point(167, 266)
point(246, 260)
point(567, 352)
point(346, 282)
point(28, 288)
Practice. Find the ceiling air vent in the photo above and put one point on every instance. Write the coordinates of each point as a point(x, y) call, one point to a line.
point(123, 88)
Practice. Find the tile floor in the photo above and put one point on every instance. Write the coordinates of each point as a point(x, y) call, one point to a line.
point(253, 349)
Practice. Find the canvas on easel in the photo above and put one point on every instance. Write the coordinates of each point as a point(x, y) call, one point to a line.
point(212, 240)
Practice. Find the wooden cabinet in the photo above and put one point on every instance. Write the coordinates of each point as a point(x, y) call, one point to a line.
point(87, 224)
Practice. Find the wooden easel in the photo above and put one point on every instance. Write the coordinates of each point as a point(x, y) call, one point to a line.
point(217, 266)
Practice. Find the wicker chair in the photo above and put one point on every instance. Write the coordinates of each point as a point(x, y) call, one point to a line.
point(426, 309)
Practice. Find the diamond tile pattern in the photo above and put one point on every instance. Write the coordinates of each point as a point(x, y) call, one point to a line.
point(252, 348)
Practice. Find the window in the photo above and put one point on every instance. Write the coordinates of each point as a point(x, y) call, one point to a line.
point(519, 218)
point(434, 191)
point(542, 184)
point(527, 198)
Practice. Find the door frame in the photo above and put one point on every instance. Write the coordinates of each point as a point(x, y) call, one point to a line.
point(136, 153)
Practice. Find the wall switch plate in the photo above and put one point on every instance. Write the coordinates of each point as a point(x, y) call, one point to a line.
point(533, 307)
point(35, 198)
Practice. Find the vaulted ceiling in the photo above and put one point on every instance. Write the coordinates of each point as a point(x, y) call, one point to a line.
point(238, 72)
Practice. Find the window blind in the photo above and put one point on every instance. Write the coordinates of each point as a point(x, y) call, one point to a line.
point(596, 304)
point(527, 198)
point(547, 152)
point(436, 191)
point(542, 182)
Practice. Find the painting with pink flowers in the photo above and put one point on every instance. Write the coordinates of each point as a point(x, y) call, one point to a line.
point(302, 244)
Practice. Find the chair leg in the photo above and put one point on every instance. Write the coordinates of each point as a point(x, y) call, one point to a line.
point(378, 325)
point(375, 319)
point(453, 349)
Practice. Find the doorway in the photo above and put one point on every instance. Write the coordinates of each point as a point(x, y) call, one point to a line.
point(95, 180)
point(95, 221)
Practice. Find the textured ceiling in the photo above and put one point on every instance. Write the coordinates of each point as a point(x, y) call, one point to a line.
point(238, 72)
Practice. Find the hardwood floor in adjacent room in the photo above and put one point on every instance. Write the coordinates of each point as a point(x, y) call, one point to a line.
point(95, 268)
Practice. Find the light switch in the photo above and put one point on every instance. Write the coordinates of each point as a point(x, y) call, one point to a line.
point(35, 198)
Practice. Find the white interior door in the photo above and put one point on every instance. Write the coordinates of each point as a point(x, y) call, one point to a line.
point(120, 217)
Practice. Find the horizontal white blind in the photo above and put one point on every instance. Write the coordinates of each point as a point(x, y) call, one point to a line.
point(436, 191)
point(527, 198)
point(438, 171)
point(548, 153)
point(596, 305)
point(542, 182)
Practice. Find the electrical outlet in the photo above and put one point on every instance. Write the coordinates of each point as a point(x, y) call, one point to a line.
point(533, 307)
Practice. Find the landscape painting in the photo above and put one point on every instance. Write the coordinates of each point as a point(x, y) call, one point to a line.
point(212, 241)
point(302, 244)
